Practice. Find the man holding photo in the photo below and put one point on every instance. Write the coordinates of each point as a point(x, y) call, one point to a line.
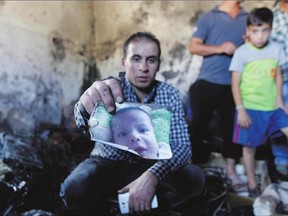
point(87, 188)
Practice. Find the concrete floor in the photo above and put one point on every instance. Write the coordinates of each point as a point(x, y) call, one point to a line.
point(216, 160)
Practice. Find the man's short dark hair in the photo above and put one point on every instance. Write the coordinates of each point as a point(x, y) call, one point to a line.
point(259, 16)
point(140, 36)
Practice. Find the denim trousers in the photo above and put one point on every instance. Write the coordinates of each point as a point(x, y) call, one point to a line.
point(96, 180)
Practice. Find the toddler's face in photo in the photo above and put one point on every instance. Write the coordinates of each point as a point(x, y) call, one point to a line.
point(133, 128)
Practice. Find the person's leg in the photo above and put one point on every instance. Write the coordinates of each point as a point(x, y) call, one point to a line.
point(202, 99)
point(186, 183)
point(285, 92)
point(87, 189)
point(231, 151)
point(285, 131)
point(285, 149)
point(280, 120)
point(278, 163)
point(249, 163)
point(230, 167)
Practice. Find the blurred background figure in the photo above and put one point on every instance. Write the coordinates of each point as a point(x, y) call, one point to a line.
point(219, 32)
point(280, 34)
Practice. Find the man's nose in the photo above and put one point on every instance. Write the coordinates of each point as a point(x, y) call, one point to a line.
point(143, 66)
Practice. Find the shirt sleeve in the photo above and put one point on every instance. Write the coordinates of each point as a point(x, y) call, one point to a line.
point(202, 27)
point(237, 64)
point(179, 141)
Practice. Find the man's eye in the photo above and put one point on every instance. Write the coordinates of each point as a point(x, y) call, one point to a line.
point(152, 61)
point(136, 59)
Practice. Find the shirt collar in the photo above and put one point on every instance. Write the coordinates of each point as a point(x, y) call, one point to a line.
point(241, 13)
point(149, 97)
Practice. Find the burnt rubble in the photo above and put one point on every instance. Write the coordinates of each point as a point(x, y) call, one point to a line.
point(32, 168)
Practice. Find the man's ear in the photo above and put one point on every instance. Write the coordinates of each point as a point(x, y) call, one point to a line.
point(159, 65)
point(123, 62)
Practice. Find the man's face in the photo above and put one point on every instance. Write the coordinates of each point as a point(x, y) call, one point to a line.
point(141, 63)
point(259, 35)
point(134, 129)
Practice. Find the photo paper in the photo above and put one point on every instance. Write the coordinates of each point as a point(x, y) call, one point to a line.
point(142, 129)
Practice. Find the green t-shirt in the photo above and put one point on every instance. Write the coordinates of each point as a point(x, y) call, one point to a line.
point(258, 68)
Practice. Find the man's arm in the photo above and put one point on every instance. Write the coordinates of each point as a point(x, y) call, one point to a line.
point(178, 139)
point(197, 46)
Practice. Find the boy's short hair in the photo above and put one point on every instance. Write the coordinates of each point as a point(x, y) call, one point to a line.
point(140, 36)
point(259, 16)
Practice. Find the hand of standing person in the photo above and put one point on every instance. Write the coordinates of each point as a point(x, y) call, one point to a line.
point(228, 48)
point(280, 103)
point(198, 47)
point(243, 118)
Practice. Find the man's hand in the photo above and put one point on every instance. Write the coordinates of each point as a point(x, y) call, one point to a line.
point(141, 192)
point(107, 91)
point(228, 48)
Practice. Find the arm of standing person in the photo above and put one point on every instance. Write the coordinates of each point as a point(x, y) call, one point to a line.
point(243, 118)
point(279, 85)
point(197, 46)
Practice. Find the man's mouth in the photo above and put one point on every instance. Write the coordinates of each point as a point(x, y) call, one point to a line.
point(143, 78)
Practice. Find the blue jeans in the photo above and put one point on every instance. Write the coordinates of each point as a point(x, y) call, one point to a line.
point(89, 186)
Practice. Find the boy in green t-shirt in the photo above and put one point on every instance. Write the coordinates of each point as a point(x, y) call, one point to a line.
point(257, 90)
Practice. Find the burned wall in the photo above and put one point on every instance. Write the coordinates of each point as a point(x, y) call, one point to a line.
point(51, 51)
point(171, 21)
point(44, 57)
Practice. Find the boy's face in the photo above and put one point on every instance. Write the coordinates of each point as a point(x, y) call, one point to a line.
point(141, 63)
point(134, 129)
point(259, 35)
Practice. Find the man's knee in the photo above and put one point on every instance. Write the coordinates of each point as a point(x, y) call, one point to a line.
point(191, 180)
point(70, 194)
point(195, 179)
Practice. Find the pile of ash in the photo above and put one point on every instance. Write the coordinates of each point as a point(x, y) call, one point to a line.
point(32, 168)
